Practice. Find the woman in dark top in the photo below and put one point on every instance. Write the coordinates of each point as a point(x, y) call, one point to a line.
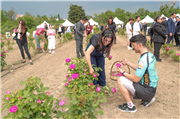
point(22, 40)
point(159, 37)
point(96, 51)
point(88, 29)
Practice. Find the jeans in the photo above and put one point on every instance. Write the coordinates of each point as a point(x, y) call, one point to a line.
point(37, 42)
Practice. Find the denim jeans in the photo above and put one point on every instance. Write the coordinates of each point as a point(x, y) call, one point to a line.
point(37, 42)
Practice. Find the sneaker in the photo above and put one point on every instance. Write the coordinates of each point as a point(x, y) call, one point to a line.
point(31, 63)
point(53, 52)
point(23, 62)
point(125, 108)
point(129, 48)
point(146, 103)
point(50, 51)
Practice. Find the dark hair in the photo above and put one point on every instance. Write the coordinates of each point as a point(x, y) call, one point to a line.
point(105, 33)
point(163, 17)
point(84, 18)
point(23, 29)
point(154, 18)
point(139, 39)
point(130, 19)
point(177, 16)
point(173, 13)
point(137, 17)
point(158, 17)
point(50, 24)
point(111, 19)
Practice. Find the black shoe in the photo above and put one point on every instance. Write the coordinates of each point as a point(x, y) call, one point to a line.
point(146, 103)
point(80, 57)
point(158, 60)
point(31, 63)
point(23, 62)
point(125, 108)
point(83, 55)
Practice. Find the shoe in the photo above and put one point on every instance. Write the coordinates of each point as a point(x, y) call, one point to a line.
point(50, 52)
point(83, 55)
point(146, 103)
point(80, 57)
point(23, 62)
point(125, 108)
point(158, 60)
point(31, 63)
point(129, 48)
point(53, 52)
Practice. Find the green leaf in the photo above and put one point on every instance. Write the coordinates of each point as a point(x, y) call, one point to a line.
point(100, 112)
point(26, 93)
point(41, 85)
point(3, 108)
point(22, 82)
point(34, 106)
point(102, 100)
point(21, 114)
point(12, 100)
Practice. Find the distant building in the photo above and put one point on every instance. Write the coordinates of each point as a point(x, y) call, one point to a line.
point(19, 15)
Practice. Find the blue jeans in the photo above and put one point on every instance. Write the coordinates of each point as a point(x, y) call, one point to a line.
point(37, 42)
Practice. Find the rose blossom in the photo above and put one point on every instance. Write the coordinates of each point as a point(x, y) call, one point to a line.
point(106, 92)
point(8, 92)
point(118, 65)
point(61, 103)
point(85, 74)
point(13, 109)
point(72, 66)
point(67, 75)
point(110, 56)
point(98, 89)
point(168, 48)
point(66, 84)
point(3, 51)
point(85, 69)
point(95, 75)
point(113, 90)
point(90, 84)
point(39, 101)
point(75, 75)
point(7, 98)
point(2, 55)
point(68, 60)
point(47, 93)
point(20, 97)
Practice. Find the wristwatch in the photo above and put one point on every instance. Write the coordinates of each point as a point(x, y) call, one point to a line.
point(123, 73)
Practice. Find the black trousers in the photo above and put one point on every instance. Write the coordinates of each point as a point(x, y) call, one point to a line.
point(25, 45)
point(79, 47)
point(176, 36)
point(59, 34)
point(157, 47)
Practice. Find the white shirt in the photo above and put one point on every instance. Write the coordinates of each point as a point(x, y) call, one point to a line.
point(119, 26)
point(136, 28)
point(128, 28)
point(18, 36)
point(60, 29)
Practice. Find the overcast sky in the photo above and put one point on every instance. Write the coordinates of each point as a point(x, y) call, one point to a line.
point(49, 8)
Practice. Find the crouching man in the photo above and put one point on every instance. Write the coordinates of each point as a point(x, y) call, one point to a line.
point(143, 84)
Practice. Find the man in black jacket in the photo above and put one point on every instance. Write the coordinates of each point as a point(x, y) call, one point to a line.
point(145, 28)
point(176, 35)
point(63, 29)
point(164, 21)
point(46, 27)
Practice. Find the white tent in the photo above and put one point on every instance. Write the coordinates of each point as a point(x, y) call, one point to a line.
point(147, 19)
point(42, 25)
point(117, 21)
point(178, 15)
point(67, 23)
point(92, 22)
point(164, 16)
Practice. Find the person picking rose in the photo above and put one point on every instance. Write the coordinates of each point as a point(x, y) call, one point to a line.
point(142, 84)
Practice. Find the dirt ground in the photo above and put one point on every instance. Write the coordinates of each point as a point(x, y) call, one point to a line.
point(52, 71)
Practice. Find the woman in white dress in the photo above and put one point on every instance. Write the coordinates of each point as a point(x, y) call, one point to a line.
point(51, 39)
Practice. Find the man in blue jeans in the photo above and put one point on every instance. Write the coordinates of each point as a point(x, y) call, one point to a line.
point(142, 84)
point(170, 28)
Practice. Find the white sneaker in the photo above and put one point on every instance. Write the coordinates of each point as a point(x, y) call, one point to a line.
point(50, 51)
point(53, 52)
point(129, 48)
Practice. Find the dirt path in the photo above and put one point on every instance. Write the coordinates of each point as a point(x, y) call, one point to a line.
point(52, 71)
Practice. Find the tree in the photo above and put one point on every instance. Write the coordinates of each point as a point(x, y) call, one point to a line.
point(3, 17)
point(75, 13)
point(11, 14)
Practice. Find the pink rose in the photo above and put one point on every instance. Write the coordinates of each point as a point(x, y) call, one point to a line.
point(8, 92)
point(3, 51)
point(39, 101)
point(66, 84)
point(69, 80)
point(7, 98)
point(120, 74)
point(98, 89)
point(47, 93)
point(15, 30)
point(85, 74)
point(13, 109)
point(177, 55)
point(41, 48)
point(110, 56)
point(85, 69)
point(30, 44)
point(20, 97)
point(2, 55)
point(38, 49)
point(118, 65)
point(61, 103)
point(90, 84)
point(75, 75)
point(95, 75)
point(72, 66)
point(106, 92)
point(113, 90)
point(26, 80)
point(67, 75)
point(168, 48)
point(68, 60)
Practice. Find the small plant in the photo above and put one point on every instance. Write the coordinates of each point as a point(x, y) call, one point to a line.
point(3, 56)
point(175, 56)
point(31, 42)
point(166, 49)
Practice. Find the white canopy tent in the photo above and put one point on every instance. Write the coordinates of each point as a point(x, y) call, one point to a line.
point(92, 22)
point(178, 15)
point(117, 21)
point(67, 23)
point(42, 25)
point(147, 19)
point(164, 16)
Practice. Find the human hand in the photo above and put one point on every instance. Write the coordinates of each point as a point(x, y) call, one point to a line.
point(177, 32)
point(84, 35)
point(124, 61)
point(170, 34)
point(91, 71)
point(119, 70)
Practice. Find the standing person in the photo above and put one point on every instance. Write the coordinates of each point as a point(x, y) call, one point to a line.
point(102, 27)
point(119, 26)
point(69, 29)
point(46, 27)
point(63, 29)
point(164, 21)
point(79, 37)
point(140, 23)
point(159, 37)
point(170, 28)
point(60, 30)
point(39, 32)
point(88, 28)
point(145, 28)
point(122, 26)
point(51, 39)
point(94, 27)
point(74, 28)
point(22, 40)
point(142, 84)
point(150, 31)
point(176, 35)
point(129, 32)
point(99, 45)
point(136, 26)
point(112, 26)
